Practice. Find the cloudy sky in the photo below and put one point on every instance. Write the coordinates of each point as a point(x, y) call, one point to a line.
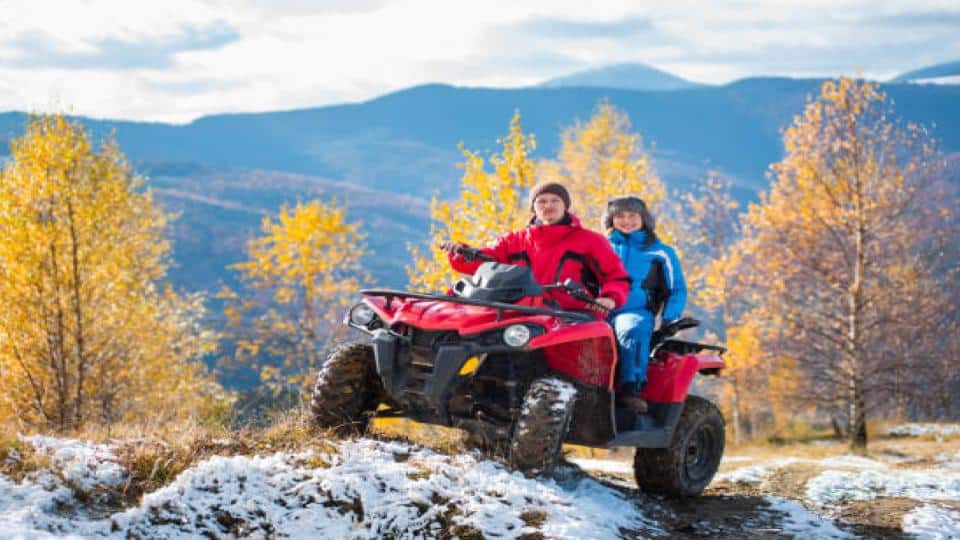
point(176, 60)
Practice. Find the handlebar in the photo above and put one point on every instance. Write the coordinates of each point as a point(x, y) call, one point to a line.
point(577, 291)
point(470, 254)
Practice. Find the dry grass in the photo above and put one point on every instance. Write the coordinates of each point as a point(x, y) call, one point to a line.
point(18, 458)
point(441, 439)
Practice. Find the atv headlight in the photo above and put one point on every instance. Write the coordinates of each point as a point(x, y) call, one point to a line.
point(516, 335)
point(362, 314)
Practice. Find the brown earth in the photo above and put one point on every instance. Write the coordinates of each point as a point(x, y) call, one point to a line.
point(735, 510)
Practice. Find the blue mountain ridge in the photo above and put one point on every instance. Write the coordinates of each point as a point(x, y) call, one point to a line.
point(406, 143)
point(628, 76)
point(948, 69)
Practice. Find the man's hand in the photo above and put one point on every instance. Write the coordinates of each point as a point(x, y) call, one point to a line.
point(452, 248)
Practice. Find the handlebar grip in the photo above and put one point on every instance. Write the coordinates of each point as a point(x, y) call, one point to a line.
point(470, 254)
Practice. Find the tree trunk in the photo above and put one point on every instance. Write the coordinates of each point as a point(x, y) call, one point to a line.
point(736, 412)
point(81, 356)
point(858, 417)
point(837, 428)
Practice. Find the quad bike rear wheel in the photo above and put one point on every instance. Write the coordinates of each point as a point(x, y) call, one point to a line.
point(545, 417)
point(688, 465)
point(347, 391)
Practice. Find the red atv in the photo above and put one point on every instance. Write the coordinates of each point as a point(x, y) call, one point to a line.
point(496, 358)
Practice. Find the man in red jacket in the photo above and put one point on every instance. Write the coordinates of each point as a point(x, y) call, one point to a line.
point(556, 247)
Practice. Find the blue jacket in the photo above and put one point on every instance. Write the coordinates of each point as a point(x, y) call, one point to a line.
point(657, 280)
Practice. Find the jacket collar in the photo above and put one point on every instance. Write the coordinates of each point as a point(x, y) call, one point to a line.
point(568, 219)
point(550, 234)
point(638, 238)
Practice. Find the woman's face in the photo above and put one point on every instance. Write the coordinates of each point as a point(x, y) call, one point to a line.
point(549, 208)
point(627, 222)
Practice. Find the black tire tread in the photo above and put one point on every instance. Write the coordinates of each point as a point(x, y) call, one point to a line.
point(347, 390)
point(543, 423)
point(660, 470)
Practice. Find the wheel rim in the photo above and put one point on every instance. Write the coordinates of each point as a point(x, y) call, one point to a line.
point(700, 454)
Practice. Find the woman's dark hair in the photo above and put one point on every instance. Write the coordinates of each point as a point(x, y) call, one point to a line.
point(631, 204)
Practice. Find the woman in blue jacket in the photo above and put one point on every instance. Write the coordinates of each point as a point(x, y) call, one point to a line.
point(657, 284)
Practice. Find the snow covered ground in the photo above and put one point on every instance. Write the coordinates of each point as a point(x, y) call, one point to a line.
point(372, 489)
point(853, 478)
point(932, 522)
point(920, 429)
point(364, 489)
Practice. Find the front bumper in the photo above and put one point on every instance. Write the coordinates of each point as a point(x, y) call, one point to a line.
point(421, 369)
point(416, 375)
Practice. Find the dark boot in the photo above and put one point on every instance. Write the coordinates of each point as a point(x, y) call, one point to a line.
point(629, 396)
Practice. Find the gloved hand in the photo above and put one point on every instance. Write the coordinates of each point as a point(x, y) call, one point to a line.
point(452, 248)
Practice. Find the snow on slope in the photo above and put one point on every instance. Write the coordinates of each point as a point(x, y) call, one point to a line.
point(854, 478)
point(366, 489)
point(799, 521)
point(932, 522)
point(920, 429)
point(833, 486)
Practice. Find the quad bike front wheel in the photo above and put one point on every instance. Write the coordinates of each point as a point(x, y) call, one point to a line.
point(688, 465)
point(543, 423)
point(347, 391)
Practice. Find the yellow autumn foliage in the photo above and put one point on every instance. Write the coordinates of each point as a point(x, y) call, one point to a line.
point(491, 203)
point(88, 331)
point(302, 272)
point(841, 248)
point(602, 159)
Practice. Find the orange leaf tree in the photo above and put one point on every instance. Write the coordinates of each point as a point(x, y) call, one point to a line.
point(842, 255)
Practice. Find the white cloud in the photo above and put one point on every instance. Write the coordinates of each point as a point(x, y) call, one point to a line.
point(125, 59)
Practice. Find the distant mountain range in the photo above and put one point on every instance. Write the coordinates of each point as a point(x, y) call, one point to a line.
point(948, 72)
point(624, 77)
point(386, 157)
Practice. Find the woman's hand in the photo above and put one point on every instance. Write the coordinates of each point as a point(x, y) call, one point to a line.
point(607, 303)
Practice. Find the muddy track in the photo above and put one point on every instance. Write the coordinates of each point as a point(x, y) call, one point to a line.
point(736, 511)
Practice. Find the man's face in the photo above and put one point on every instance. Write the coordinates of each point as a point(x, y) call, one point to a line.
point(549, 208)
point(627, 222)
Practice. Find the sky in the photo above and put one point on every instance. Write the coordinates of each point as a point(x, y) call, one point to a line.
point(176, 60)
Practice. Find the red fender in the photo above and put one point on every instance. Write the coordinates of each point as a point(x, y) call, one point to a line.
point(668, 381)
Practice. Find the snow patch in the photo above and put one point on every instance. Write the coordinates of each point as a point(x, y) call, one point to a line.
point(364, 489)
point(756, 474)
point(744, 475)
point(833, 486)
point(803, 523)
point(920, 429)
point(41, 506)
point(604, 465)
point(85, 465)
point(951, 462)
point(852, 462)
point(735, 459)
point(565, 393)
point(932, 522)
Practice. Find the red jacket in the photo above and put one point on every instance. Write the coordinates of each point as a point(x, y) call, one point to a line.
point(557, 252)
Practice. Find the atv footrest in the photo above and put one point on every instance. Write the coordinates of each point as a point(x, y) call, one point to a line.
point(653, 429)
point(653, 438)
